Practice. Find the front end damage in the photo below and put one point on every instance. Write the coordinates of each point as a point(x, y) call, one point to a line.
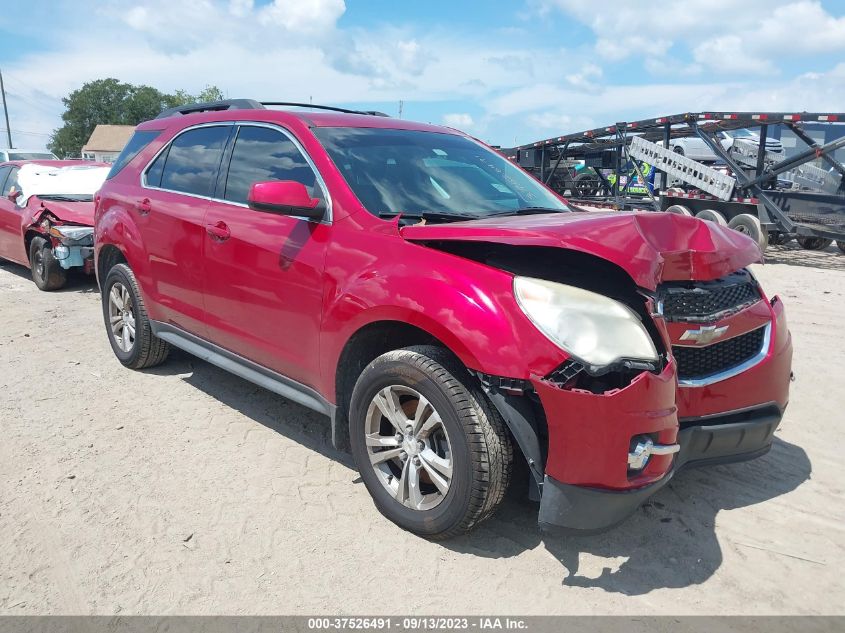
point(72, 244)
point(600, 440)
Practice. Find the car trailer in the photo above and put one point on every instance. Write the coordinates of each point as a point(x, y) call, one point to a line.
point(630, 165)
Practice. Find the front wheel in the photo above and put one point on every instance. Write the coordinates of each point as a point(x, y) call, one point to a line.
point(127, 323)
point(432, 451)
point(46, 271)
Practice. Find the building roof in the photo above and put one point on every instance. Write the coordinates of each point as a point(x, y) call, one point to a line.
point(108, 138)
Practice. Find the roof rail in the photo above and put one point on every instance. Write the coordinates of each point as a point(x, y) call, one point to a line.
point(322, 107)
point(212, 106)
point(250, 104)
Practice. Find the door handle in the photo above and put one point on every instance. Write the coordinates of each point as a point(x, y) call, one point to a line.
point(144, 206)
point(219, 231)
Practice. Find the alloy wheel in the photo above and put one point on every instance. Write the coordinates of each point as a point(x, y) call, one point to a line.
point(122, 317)
point(39, 263)
point(409, 447)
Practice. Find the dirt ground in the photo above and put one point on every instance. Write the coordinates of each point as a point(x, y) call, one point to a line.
point(185, 490)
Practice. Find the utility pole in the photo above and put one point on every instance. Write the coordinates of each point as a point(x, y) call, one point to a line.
point(6, 111)
point(401, 103)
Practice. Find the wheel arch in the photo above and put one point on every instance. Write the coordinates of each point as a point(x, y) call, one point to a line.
point(366, 344)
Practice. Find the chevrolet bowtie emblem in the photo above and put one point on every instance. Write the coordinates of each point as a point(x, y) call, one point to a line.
point(705, 334)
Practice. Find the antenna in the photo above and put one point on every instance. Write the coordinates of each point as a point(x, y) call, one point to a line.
point(6, 111)
point(401, 104)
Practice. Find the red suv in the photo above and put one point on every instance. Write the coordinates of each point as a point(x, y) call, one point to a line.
point(447, 311)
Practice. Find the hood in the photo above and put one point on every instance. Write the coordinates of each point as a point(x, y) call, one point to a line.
point(73, 212)
point(650, 247)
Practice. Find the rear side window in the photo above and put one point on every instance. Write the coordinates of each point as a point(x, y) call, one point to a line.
point(262, 154)
point(192, 160)
point(138, 142)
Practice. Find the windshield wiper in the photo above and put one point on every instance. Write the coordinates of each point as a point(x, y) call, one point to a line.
point(434, 216)
point(531, 211)
point(66, 198)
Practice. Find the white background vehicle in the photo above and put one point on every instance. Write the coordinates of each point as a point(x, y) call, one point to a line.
point(26, 154)
point(693, 147)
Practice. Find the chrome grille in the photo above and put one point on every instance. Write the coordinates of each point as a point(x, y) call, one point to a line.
point(701, 362)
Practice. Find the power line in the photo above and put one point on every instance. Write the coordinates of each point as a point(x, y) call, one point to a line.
point(16, 131)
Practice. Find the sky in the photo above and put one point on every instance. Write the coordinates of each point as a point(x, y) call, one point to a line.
point(508, 72)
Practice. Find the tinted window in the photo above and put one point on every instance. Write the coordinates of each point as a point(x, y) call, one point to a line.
point(154, 171)
point(11, 181)
point(138, 142)
point(262, 154)
point(409, 171)
point(193, 159)
point(4, 172)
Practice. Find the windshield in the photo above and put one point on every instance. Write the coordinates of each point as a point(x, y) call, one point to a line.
point(419, 173)
point(31, 156)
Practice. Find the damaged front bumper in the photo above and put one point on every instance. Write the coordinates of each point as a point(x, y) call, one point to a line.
point(728, 438)
point(73, 246)
point(609, 452)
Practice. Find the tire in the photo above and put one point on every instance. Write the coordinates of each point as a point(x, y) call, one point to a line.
point(679, 209)
point(813, 243)
point(477, 445)
point(711, 215)
point(749, 225)
point(679, 150)
point(46, 271)
point(586, 185)
point(841, 245)
point(122, 299)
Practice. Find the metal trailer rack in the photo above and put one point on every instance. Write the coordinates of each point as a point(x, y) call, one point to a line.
point(743, 188)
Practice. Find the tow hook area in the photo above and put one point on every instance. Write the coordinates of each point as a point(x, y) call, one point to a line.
point(72, 256)
point(643, 450)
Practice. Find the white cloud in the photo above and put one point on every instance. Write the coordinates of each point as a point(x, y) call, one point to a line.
point(721, 35)
point(303, 15)
point(299, 49)
point(458, 120)
point(727, 53)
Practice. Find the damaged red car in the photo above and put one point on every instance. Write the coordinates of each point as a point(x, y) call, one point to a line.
point(47, 217)
point(450, 314)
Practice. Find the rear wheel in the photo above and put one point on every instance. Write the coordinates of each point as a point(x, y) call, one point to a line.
point(749, 225)
point(813, 243)
point(679, 209)
point(678, 150)
point(711, 215)
point(431, 450)
point(46, 271)
point(127, 323)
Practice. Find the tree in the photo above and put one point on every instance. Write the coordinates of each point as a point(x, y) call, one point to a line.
point(110, 101)
point(181, 97)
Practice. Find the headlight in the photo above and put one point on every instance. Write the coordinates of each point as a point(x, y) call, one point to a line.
point(595, 329)
point(72, 233)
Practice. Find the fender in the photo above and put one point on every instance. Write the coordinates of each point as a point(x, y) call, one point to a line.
point(467, 306)
point(115, 226)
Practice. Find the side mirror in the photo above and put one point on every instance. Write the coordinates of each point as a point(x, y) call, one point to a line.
point(13, 195)
point(285, 197)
